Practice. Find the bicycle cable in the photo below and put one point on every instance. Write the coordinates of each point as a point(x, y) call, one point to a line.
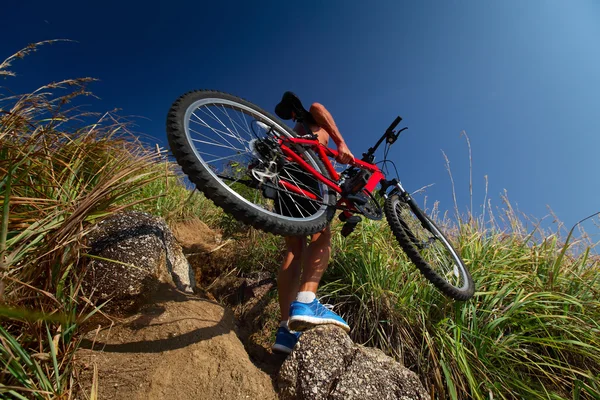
point(385, 161)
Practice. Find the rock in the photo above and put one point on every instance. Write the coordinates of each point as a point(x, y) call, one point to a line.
point(205, 249)
point(246, 291)
point(145, 253)
point(326, 364)
point(257, 285)
point(179, 347)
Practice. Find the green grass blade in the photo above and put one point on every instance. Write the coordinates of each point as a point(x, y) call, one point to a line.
point(57, 376)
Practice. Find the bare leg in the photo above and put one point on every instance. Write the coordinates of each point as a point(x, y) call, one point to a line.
point(316, 260)
point(306, 313)
point(288, 279)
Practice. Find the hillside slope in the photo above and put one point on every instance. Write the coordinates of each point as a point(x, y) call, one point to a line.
point(179, 347)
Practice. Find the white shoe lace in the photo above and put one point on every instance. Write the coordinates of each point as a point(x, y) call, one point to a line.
point(327, 306)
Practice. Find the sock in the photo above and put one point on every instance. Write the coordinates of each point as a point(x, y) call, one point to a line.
point(284, 324)
point(305, 297)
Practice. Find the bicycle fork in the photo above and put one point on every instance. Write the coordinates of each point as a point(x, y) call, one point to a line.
point(409, 201)
point(385, 185)
point(352, 220)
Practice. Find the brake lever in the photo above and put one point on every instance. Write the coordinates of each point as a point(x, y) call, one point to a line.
point(391, 139)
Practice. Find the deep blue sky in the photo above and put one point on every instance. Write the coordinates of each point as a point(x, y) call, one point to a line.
point(522, 78)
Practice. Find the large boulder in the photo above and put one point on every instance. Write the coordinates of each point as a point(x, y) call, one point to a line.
point(144, 253)
point(326, 364)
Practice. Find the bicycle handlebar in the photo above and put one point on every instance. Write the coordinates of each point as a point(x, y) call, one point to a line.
point(389, 135)
point(394, 124)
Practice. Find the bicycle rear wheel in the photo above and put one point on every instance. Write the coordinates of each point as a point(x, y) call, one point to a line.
point(428, 248)
point(229, 148)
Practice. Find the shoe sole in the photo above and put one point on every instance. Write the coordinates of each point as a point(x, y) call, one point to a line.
point(279, 348)
point(303, 322)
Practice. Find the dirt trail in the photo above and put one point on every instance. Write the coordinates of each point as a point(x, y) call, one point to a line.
point(178, 347)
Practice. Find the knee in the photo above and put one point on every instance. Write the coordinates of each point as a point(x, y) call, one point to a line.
point(324, 235)
point(294, 245)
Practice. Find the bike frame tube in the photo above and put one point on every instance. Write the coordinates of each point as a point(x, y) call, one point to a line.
point(324, 154)
point(295, 157)
point(297, 190)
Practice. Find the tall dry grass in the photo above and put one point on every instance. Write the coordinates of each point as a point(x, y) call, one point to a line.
point(62, 169)
point(532, 330)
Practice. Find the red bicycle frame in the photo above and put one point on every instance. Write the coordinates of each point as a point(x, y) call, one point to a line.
point(324, 154)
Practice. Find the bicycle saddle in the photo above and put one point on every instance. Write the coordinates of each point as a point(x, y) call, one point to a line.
point(290, 102)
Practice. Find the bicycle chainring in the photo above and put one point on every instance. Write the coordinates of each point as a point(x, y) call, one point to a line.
point(371, 209)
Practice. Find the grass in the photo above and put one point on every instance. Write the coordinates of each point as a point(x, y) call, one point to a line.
point(531, 331)
point(63, 170)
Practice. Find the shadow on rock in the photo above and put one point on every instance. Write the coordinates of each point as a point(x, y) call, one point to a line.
point(173, 320)
point(180, 346)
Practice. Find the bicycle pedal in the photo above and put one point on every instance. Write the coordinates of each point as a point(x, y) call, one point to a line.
point(350, 225)
point(343, 217)
point(353, 220)
point(347, 230)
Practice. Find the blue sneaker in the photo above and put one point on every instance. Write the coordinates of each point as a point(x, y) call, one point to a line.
point(304, 316)
point(285, 340)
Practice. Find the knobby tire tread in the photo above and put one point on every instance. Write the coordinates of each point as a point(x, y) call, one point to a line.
point(413, 254)
point(205, 182)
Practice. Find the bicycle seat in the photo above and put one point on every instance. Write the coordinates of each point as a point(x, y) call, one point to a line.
point(290, 102)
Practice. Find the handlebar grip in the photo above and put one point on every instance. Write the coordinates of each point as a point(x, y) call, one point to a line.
point(394, 124)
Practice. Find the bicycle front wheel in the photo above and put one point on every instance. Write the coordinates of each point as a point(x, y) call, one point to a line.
point(230, 149)
point(428, 248)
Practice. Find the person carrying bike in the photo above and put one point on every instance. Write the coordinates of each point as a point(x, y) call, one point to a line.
point(304, 262)
point(282, 181)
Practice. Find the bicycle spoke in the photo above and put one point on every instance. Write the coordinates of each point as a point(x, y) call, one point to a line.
point(298, 184)
point(295, 204)
point(244, 120)
point(219, 132)
point(231, 141)
point(223, 158)
point(236, 134)
point(233, 123)
point(229, 132)
point(211, 138)
point(218, 145)
point(215, 130)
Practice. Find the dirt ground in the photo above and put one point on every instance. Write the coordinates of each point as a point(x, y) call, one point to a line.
point(179, 347)
point(186, 346)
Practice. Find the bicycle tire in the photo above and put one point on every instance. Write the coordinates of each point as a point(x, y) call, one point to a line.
point(213, 186)
point(407, 238)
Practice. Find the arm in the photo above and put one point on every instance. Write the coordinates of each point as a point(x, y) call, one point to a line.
point(325, 121)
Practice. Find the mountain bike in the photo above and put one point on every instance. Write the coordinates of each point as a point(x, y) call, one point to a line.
point(264, 174)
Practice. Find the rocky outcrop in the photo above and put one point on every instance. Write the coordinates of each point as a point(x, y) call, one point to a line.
point(180, 346)
point(132, 253)
point(326, 364)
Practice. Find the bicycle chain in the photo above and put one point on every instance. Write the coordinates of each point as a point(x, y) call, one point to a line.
point(254, 185)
